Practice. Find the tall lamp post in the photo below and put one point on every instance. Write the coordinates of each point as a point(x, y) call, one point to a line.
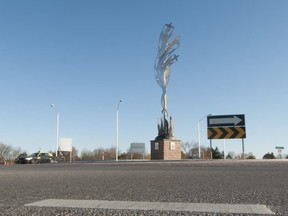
point(117, 131)
point(199, 138)
point(57, 128)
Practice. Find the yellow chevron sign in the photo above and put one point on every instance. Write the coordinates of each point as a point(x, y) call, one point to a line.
point(227, 133)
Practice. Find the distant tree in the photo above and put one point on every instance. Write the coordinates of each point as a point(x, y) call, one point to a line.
point(230, 155)
point(269, 156)
point(124, 156)
point(86, 155)
point(185, 148)
point(190, 149)
point(233, 155)
point(99, 154)
point(205, 153)
point(183, 155)
point(8, 153)
point(110, 153)
point(250, 156)
point(4, 152)
point(14, 153)
point(138, 156)
point(75, 156)
point(130, 156)
point(216, 154)
point(286, 156)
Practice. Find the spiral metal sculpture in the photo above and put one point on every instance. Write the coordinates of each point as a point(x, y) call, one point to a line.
point(167, 45)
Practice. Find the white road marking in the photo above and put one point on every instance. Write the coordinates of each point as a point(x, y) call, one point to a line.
point(158, 206)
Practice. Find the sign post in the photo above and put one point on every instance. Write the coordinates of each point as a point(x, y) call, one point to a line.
point(243, 149)
point(211, 154)
point(226, 127)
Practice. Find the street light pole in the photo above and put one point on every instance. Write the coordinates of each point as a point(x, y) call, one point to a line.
point(199, 138)
point(57, 128)
point(117, 130)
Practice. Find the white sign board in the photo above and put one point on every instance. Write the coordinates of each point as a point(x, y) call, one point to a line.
point(138, 148)
point(65, 144)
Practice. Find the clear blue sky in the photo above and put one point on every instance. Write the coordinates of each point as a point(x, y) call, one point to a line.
point(84, 56)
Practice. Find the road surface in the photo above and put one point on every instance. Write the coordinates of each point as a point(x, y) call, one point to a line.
point(192, 187)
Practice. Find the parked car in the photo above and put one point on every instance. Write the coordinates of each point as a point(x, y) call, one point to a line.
point(37, 158)
point(19, 157)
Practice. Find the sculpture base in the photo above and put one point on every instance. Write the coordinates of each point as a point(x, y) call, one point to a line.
point(165, 149)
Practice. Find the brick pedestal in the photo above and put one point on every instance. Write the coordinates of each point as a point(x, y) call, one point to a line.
point(166, 149)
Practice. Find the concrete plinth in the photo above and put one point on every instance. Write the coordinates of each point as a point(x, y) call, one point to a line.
point(166, 149)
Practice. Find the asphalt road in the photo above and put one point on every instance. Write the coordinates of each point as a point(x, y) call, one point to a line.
point(217, 182)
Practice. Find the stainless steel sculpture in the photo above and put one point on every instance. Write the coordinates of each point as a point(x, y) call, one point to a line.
point(167, 45)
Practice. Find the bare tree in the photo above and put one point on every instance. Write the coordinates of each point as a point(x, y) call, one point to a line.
point(86, 155)
point(186, 147)
point(5, 151)
point(190, 149)
point(8, 153)
point(110, 153)
point(99, 154)
point(75, 156)
point(14, 153)
point(205, 153)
